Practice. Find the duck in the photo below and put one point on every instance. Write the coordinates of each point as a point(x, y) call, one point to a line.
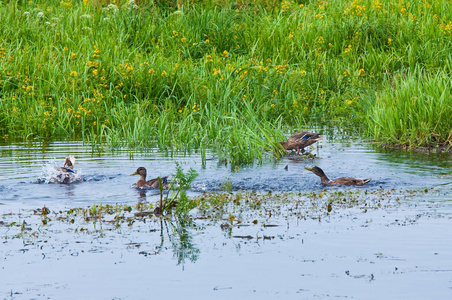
point(68, 173)
point(299, 140)
point(340, 181)
point(68, 166)
point(151, 183)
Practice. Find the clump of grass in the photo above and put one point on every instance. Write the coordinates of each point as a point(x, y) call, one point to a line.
point(414, 110)
point(228, 75)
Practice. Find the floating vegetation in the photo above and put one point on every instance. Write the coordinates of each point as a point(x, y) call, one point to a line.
point(227, 209)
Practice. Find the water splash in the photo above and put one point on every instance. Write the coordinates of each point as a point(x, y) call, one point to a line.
point(52, 173)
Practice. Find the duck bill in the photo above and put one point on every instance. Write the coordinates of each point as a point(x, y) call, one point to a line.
point(136, 173)
point(308, 168)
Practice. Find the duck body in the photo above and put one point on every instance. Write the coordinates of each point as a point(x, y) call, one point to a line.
point(154, 183)
point(340, 181)
point(67, 170)
point(299, 140)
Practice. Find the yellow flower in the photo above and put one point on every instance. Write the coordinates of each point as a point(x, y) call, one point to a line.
point(95, 71)
point(73, 73)
point(389, 41)
point(65, 49)
point(164, 74)
point(183, 40)
point(290, 35)
point(225, 53)
point(361, 72)
point(303, 73)
point(272, 105)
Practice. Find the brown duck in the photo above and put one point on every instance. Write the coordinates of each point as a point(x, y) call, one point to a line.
point(151, 183)
point(299, 140)
point(340, 181)
point(67, 170)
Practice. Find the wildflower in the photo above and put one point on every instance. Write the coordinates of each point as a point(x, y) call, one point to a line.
point(26, 14)
point(164, 74)
point(225, 53)
point(290, 35)
point(272, 105)
point(183, 40)
point(348, 102)
point(346, 73)
point(112, 7)
point(361, 72)
point(40, 14)
point(73, 55)
point(389, 41)
point(65, 49)
point(348, 49)
point(73, 73)
point(216, 72)
point(95, 71)
point(303, 73)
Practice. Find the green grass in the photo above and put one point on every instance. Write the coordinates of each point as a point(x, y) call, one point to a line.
point(232, 76)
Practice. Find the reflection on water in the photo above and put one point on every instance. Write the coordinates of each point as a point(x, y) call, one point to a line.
point(176, 230)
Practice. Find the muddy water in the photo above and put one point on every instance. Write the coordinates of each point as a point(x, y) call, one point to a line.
point(396, 251)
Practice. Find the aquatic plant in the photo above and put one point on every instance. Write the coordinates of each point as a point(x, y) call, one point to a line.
point(176, 195)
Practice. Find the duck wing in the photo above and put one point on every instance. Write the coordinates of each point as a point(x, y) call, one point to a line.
point(155, 182)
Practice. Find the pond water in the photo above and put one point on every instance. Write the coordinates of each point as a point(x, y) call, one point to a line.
point(397, 251)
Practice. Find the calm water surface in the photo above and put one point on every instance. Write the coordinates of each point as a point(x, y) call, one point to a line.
point(395, 253)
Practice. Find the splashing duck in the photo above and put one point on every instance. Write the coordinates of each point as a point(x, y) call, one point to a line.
point(299, 140)
point(151, 183)
point(67, 170)
point(340, 181)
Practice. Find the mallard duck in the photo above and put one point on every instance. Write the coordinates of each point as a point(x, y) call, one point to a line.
point(67, 170)
point(340, 181)
point(152, 183)
point(299, 140)
point(68, 165)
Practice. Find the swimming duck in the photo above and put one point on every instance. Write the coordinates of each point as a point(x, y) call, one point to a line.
point(67, 170)
point(68, 165)
point(152, 183)
point(340, 181)
point(299, 140)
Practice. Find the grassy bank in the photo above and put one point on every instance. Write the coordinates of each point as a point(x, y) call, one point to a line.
point(228, 75)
